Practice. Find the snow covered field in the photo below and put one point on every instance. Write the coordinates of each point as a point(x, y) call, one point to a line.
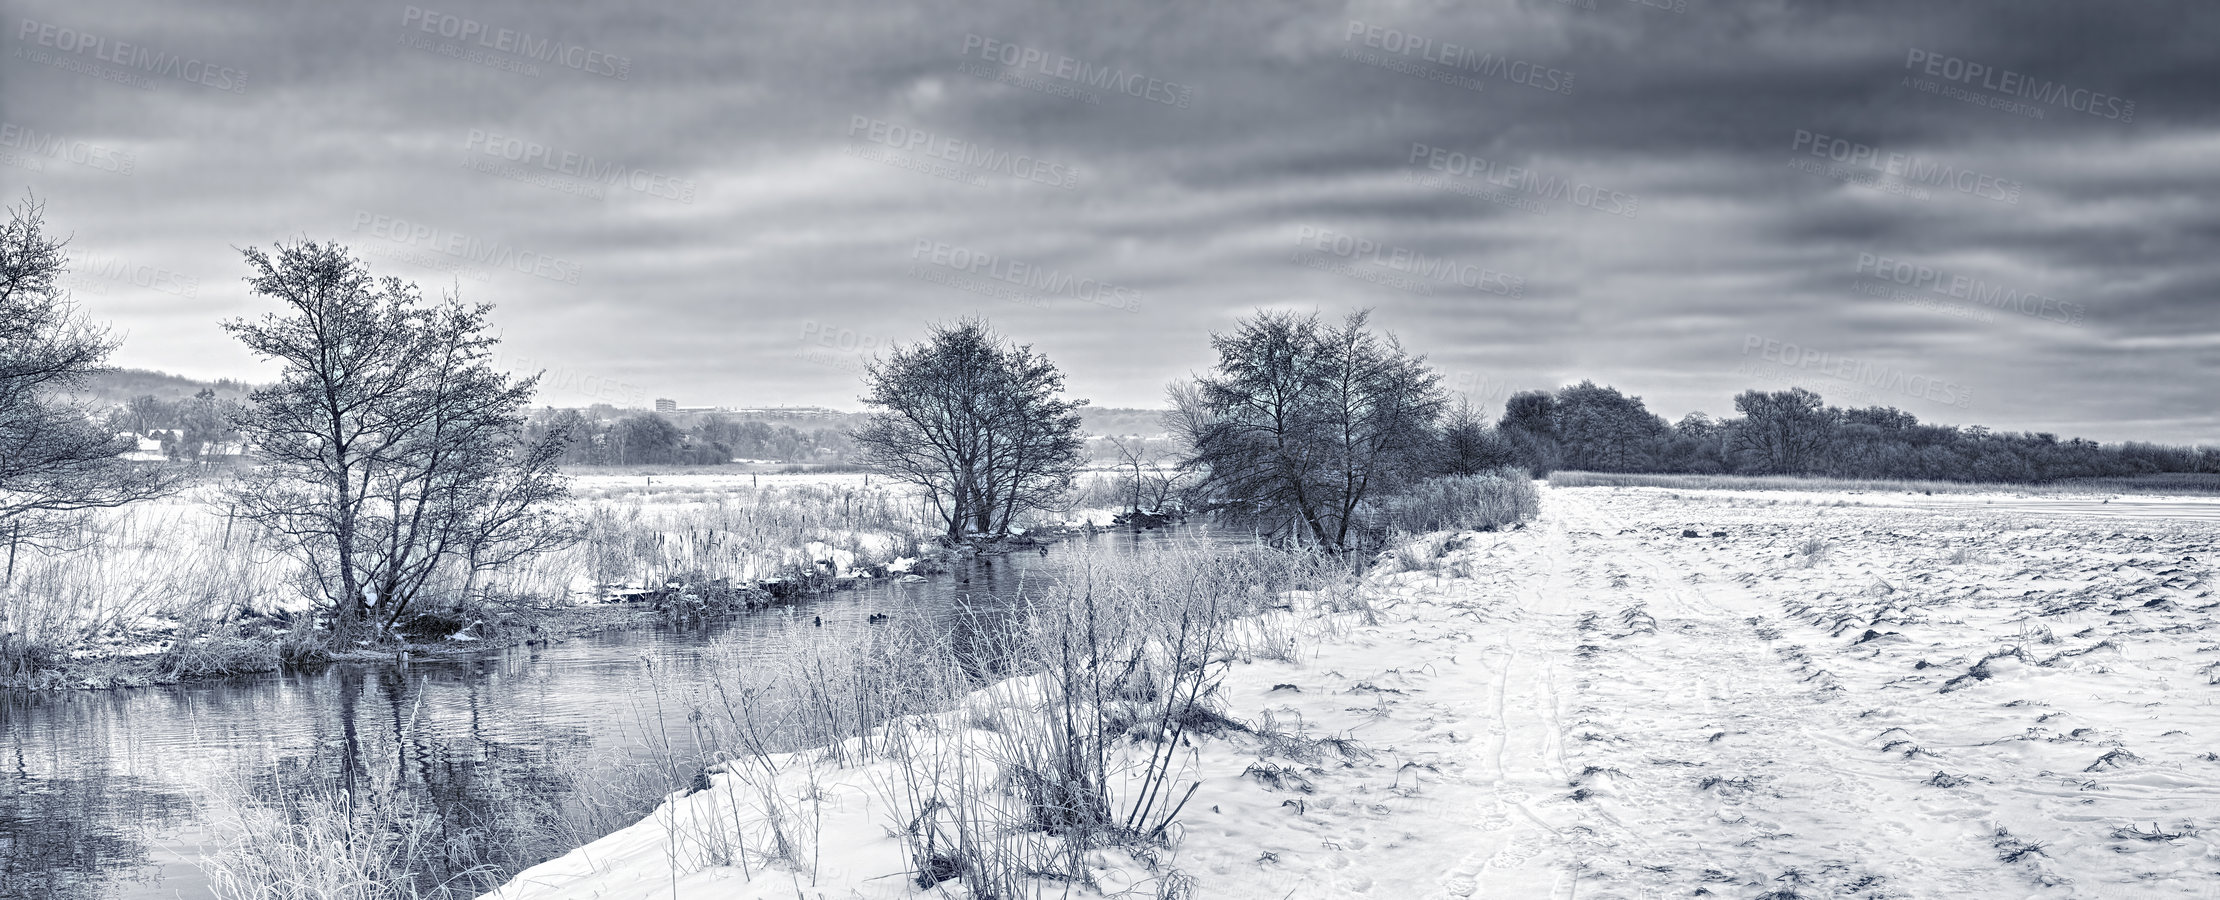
point(1820, 695)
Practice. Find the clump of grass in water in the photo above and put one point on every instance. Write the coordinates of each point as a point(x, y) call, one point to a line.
point(312, 842)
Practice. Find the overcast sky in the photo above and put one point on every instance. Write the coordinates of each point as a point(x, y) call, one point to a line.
point(2001, 213)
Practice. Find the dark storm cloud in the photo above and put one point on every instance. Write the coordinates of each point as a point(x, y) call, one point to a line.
point(686, 200)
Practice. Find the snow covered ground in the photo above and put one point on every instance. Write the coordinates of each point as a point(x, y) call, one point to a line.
point(1815, 696)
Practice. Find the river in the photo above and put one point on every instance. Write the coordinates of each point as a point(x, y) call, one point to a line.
point(111, 794)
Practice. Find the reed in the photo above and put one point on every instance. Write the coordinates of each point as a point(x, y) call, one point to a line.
point(178, 588)
point(1794, 483)
point(1003, 762)
point(1460, 503)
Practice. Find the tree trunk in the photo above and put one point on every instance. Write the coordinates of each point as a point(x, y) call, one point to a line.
point(15, 537)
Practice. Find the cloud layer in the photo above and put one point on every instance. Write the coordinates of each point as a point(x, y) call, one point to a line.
point(728, 203)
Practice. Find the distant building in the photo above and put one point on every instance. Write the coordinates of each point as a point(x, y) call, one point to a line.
point(662, 405)
point(806, 413)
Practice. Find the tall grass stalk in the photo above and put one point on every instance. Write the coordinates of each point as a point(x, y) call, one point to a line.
point(1460, 503)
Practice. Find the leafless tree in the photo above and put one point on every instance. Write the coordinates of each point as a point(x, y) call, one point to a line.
point(974, 421)
point(1301, 423)
point(393, 452)
point(1151, 472)
point(56, 458)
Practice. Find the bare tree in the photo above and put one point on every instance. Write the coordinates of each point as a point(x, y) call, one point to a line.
point(1152, 474)
point(55, 457)
point(976, 423)
point(394, 452)
point(1468, 446)
point(1301, 423)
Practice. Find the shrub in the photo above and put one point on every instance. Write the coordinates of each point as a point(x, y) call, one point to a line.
point(1461, 503)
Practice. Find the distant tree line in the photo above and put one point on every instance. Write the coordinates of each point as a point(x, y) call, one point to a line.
point(595, 436)
point(604, 437)
point(185, 427)
point(1590, 427)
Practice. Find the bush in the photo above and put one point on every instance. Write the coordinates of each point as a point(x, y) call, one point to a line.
point(1461, 503)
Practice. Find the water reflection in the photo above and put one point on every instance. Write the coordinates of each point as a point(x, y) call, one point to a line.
point(109, 794)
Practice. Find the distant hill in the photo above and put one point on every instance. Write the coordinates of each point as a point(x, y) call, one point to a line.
point(118, 386)
point(1114, 421)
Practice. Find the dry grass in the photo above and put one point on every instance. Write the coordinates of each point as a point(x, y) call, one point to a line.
point(304, 843)
point(167, 582)
point(2171, 483)
point(165, 577)
point(1461, 503)
point(1784, 483)
point(732, 535)
point(1009, 747)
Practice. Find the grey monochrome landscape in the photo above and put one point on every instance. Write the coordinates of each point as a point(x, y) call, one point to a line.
point(1558, 449)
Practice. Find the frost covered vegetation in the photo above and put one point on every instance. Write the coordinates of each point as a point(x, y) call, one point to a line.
point(1015, 757)
point(177, 589)
point(699, 534)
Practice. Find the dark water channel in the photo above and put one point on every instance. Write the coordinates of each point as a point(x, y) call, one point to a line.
point(109, 794)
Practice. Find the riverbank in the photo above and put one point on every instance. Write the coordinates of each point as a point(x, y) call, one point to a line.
point(163, 651)
point(1808, 697)
point(161, 593)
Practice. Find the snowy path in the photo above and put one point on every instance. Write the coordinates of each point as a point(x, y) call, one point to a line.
point(1598, 707)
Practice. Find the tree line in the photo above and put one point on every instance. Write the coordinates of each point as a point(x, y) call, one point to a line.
point(646, 438)
point(597, 436)
point(185, 427)
point(1591, 427)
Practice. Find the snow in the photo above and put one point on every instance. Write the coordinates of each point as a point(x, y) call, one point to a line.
point(1837, 699)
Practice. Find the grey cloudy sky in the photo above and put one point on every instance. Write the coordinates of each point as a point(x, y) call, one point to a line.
point(2004, 213)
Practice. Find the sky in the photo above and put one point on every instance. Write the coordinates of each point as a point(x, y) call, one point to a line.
point(2004, 213)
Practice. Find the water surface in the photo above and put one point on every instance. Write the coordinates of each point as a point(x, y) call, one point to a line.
point(108, 794)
